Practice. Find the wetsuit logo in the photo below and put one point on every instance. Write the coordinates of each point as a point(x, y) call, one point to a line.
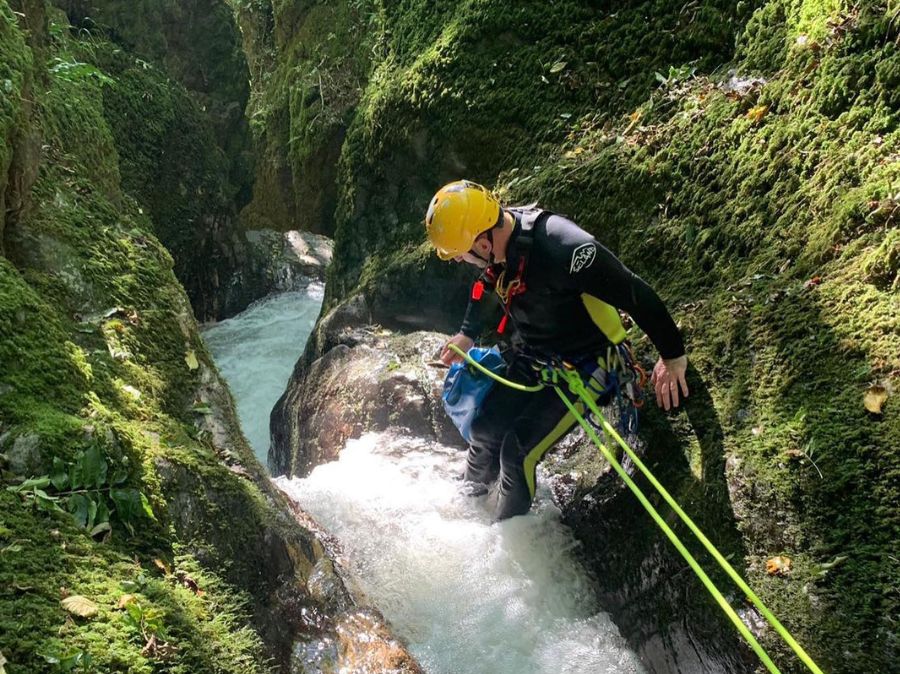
point(582, 257)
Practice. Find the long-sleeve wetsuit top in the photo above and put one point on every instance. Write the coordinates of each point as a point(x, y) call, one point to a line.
point(565, 261)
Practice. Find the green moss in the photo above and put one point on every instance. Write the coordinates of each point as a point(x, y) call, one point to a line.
point(758, 196)
point(15, 66)
point(771, 234)
point(94, 334)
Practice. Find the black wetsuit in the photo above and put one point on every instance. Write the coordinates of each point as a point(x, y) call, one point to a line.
point(515, 429)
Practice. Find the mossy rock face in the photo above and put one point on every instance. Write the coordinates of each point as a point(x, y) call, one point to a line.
point(742, 158)
point(176, 88)
point(197, 43)
point(310, 61)
point(202, 565)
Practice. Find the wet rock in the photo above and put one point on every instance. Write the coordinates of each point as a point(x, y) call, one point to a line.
point(370, 380)
point(289, 259)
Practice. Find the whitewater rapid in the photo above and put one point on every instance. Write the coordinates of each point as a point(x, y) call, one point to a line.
point(468, 595)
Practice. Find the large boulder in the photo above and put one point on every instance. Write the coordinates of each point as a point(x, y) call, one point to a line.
point(367, 379)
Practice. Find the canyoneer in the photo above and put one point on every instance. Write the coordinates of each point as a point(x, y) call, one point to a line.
point(560, 290)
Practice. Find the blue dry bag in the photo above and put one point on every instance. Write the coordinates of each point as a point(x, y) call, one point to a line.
point(465, 388)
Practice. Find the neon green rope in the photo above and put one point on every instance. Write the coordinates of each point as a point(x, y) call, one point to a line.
point(481, 368)
point(689, 558)
point(726, 566)
point(576, 385)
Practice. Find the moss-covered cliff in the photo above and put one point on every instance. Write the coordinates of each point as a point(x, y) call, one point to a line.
point(137, 531)
point(743, 157)
point(175, 105)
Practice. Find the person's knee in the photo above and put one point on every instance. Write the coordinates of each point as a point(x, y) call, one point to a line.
point(485, 434)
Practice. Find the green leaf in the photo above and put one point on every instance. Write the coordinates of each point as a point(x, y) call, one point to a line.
point(135, 613)
point(59, 475)
point(128, 503)
point(120, 474)
point(74, 71)
point(100, 528)
point(102, 514)
point(45, 501)
point(145, 504)
point(76, 478)
point(31, 483)
point(79, 506)
point(92, 510)
point(93, 467)
point(558, 66)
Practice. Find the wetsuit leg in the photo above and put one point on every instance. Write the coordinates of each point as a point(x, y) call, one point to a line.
point(497, 414)
point(538, 425)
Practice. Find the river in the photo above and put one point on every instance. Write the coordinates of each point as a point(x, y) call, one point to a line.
point(468, 595)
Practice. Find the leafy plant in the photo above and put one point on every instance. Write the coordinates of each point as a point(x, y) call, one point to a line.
point(73, 660)
point(76, 71)
point(148, 623)
point(675, 75)
point(89, 491)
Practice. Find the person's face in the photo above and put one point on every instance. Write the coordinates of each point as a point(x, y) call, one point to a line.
point(479, 254)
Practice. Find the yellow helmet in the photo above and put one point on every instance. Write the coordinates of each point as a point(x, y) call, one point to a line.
point(458, 213)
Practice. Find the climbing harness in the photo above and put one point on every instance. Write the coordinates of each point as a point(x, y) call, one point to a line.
point(565, 373)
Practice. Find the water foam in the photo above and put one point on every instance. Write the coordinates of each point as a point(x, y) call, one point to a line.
point(468, 595)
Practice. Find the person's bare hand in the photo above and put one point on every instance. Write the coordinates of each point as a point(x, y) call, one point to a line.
point(448, 356)
point(667, 378)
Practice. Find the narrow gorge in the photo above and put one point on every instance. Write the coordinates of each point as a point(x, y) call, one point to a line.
point(222, 445)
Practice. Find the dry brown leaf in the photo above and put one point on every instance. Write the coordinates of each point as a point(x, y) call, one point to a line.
point(756, 113)
point(779, 566)
point(874, 398)
point(162, 566)
point(80, 606)
point(125, 600)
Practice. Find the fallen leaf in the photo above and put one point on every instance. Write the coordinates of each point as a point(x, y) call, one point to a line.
point(756, 113)
point(80, 606)
point(125, 600)
point(190, 583)
point(558, 66)
point(162, 566)
point(779, 566)
point(191, 360)
point(813, 282)
point(874, 398)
